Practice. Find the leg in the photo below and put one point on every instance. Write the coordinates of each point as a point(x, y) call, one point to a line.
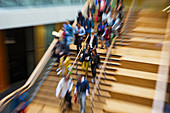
point(77, 48)
point(87, 65)
point(94, 71)
point(83, 103)
point(68, 99)
point(83, 65)
point(99, 5)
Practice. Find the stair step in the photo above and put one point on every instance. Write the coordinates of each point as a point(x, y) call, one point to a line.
point(56, 79)
point(107, 82)
point(145, 35)
point(136, 94)
point(119, 106)
point(138, 78)
point(149, 30)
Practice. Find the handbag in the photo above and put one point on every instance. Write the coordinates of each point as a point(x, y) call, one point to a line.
point(97, 16)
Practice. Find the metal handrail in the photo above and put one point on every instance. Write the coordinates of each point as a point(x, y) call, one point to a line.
point(77, 55)
point(124, 28)
point(128, 16)
point(35, 74)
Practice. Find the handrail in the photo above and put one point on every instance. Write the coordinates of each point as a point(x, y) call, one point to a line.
point(35, 74)
point(102, 70)
point(77, 55)
point(108, 54)
point(128, 16)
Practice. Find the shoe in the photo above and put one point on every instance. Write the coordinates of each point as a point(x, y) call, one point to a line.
point(92, 80)
point(101, 47)
point(95, 79)
point(57, 69)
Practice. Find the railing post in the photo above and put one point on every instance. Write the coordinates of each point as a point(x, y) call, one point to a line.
point(76, 66)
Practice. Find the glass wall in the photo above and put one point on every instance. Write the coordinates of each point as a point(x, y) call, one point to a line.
point(38, 3)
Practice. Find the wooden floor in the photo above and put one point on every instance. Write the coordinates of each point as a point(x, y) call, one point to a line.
point(131, 72)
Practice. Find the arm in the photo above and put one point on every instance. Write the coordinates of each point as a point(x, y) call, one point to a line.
point(75, 31)
point(75, 90)
point(83, 33)
point(71, 29)
point(59, 88)
point(70, 85)
point(104, 33)
point(98, 64)
point(88, 89)
point(98, 27)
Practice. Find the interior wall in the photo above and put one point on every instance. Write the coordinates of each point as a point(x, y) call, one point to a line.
point(4, 79)
point(39, 42)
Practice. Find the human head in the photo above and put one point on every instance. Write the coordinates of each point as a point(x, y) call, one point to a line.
point(103, 22)
point(64, 26)
point(94, 51)
point(109, 27)
point(66, 77)
point(88, 47)
point(67, 22)
point(87, 17)
point(78, 25)
point(80, 14)
point(79, 77)
point(92, 31)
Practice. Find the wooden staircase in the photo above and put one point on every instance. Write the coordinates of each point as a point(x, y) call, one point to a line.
point(131, 72)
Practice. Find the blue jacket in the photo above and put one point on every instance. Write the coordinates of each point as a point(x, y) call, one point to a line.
point(80, 31)
point(84, 86)
point(69, 29)
point(88, 23)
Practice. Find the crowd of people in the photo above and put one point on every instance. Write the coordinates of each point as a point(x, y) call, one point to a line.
point(109, 26)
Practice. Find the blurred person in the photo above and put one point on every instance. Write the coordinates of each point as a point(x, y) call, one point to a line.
point(64, 65)
point(63, 91)
point(58, 50)
point(93, 40)
point(79, 32)
point(80, 18)
point(99, 2)
point(81, 91)
point(107, 16)
point(100, 30)
point(107, 36)
point(116, 24)
point(95, 63)
point(85, 58)
point(108, 5)
point(91, 8)
point(68, 35)
point(88, 25)
point(20, 104)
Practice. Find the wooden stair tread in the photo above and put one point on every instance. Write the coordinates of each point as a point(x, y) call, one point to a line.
point(145, 35)
point(152, 20)
point(103, 82)
point(136, 52)
point(136, 74)
point(34, 108)
point(101, 57)
point(138, 91)
point(149, 30)
point(146, 40)
point(141, 59)
point(102, 61)
point(119, 106)
point(56, 79)
point(53, 85)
